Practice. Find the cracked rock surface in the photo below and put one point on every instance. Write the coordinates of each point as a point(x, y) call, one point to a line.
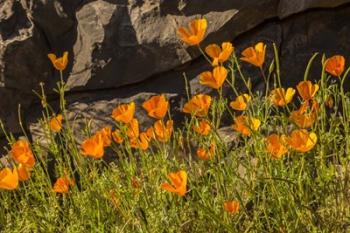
point(128, 49)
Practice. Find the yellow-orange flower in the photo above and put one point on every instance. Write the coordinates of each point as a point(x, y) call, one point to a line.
point(156, 106)
point(22, 153)
point(59, 63)
point(281, 97)
point(106, 135)
point(241, 102)
point(244, 125)
point(133, 130)
point(117, 137)
point(8, 178)
point(301, 140)
point(255, 55)
point(335, 65)
point(276, 145)
point(124, 113)
point(56, 123)
point(178, 183)
point(206, 154)
point(307, 90)
point(163, 131)
point(302, 118)
point(195, 33)
point(23, 172)
point(142, 142)
point(231, 206)
point(219, 55)
point(62, 184)
point(198, 105)
point(213, 79)
point(93, 147)
point(202, 128)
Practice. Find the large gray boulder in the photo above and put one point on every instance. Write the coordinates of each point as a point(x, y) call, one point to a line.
point(121, 48)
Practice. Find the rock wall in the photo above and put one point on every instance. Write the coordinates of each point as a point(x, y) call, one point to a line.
point(127, 49)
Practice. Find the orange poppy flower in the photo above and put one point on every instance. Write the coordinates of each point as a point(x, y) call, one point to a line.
point(219, 55)
point(117, 137)
point(93, 147)
point(178, 183)
point(142, 142)
point(301, 140)
point(255, 55)
point(195, 33)
point(307, 90)
point(133, 130)
point(241, 102)
point(275, 145)
point(202, 128)
point(156, 106)
point(23, 172)
point(198, 105)
point(56, 123)
point(124, 113)
point(281, 97)
point(59, 63)
point(62, 185)
point(335, 65)
point(106, 135)
point(163, 131)
point(213, 79)
point(150, 132)
point(244, 125)
point(232, 206)
point(302, 118)
point(8, 178)
point(22, 153)
point(206, 154)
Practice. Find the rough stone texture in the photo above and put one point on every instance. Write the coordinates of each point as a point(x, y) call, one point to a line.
point(121, 48)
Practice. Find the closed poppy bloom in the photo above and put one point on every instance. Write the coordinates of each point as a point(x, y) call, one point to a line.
point(22, 153)
point(335, 65)
point(117, 137)
point(241, 102)
point(232, 206)
point(62, 185)
point(142, 142)
point(23, 172)
point(163, 131)
point(255, 55)
point(329, 102)
point(202, 128)
point(281, 97)
point(304, 118)
point(124, 113)
point(206, 154)
point(244, 125)
point(156, 106)
point(198, 105)
point(8, 178)
point(150, 132)
point(219, 55)
point(195, 33)
point(93, 147)
point(133, 130)
point(276, 145)
point(178, 183)
point(213, 79)
point(301, 140)
point(56, 123)
point(307, 90)
point(106, 135)
point(59, 63)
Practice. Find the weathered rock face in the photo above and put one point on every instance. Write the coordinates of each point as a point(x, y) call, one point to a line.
point(121, 48)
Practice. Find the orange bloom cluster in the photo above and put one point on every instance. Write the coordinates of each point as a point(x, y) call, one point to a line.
point(232, 207)
point(213, 79)
point(219, 55)
point(198, 105)
point(206, 154)
point(255, 55)
point(63, 184)
point(195, 33)
point(60, 63)
point(56, 123)
point(178, 183)
point(281, 97)
point(335, 65)
point(203, 128)
point(241, 102)
point(244, 125)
